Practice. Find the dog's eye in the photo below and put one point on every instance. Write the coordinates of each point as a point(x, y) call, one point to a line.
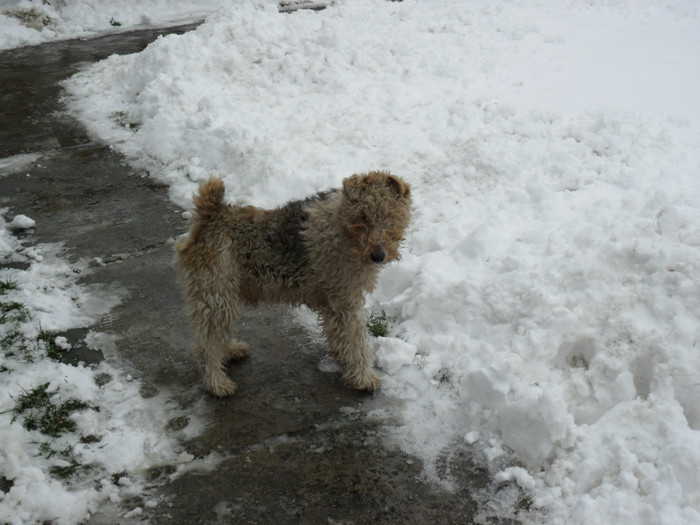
point(356, 229)
point(363, 219)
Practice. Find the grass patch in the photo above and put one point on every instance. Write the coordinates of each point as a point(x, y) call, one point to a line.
point(117, 476)
point(64, 471)
point(53, 351)
point(13, 311)
point(38, 409)
point(53, 420)
point(524, 501)
point(14, 343)
point(378, 324)
point(6, 286)
point(68, 454)
point(444, 376)
point(121, 118)
point(90, 438)
point(41, 413)
point(10, 340)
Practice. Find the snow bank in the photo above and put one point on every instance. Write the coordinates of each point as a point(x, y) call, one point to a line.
point(546, 311)
point(28, 22)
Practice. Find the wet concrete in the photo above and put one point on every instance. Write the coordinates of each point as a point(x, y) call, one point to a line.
point(295, 443)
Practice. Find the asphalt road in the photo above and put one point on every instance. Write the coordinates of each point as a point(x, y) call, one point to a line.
point(294, 453)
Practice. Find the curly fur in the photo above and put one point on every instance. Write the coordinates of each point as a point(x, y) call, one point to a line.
point(325, 252)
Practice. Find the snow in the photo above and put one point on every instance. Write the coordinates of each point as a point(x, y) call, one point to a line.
point(393, 353)
point(62, 343)
point(21, 222)
point(28, 22)
point(130, 428)
point(547, 308)
point(548, 296)
point(16, 163)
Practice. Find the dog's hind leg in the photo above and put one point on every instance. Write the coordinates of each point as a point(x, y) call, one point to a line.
point(346, 336)
point(212, 303)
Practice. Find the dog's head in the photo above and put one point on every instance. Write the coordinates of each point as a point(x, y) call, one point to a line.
point(375, 211)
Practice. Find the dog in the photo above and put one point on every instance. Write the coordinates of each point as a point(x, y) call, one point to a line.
point(325, 252)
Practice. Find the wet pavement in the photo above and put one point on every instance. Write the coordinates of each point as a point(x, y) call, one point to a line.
point(296, 445)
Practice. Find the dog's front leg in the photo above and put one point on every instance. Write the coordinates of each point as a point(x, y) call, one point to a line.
point(346, 336)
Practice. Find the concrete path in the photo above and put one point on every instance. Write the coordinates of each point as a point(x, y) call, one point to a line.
point(293, 452)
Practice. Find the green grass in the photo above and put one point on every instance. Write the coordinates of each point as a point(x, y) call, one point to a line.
point(48, 339)
point(444, 376)
point(14, 343)
point(64, 471)
point(10, 340)
point(117, 476)
point(68, 454)
point(38, 409)
point(90, 438)
point(13, 311)
point(5, 286)
point(378, 324)
point(121, 118)
point(525, 501)
point(40, 412)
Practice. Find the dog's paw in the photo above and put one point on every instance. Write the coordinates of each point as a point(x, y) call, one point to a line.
point(237, 350)
point(220, 386)
point(367, 383)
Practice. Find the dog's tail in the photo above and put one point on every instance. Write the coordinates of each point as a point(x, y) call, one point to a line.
point(210, 198)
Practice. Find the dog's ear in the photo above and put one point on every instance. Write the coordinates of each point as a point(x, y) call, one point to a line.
point(352, 187)
point(402, 189)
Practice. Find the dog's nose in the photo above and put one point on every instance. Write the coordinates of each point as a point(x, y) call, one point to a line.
point(377, 254)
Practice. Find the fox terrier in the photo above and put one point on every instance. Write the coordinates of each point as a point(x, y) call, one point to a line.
point(324, 251)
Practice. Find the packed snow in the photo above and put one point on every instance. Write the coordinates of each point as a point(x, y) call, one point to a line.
point(547, 308)
point(21, 222)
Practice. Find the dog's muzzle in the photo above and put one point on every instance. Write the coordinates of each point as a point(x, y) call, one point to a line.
point(377, 255)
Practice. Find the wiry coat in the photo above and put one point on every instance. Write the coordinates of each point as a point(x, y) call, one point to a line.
point(325, 252)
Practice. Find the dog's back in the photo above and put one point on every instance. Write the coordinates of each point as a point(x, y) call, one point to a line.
point(264, 248)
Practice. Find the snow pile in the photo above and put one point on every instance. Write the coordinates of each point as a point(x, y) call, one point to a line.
point(546, 311)
point(21, 222)
point(28, 22)
point(66, 475)
point(16, 163)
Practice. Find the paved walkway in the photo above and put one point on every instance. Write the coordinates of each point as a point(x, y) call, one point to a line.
point(292, 455)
